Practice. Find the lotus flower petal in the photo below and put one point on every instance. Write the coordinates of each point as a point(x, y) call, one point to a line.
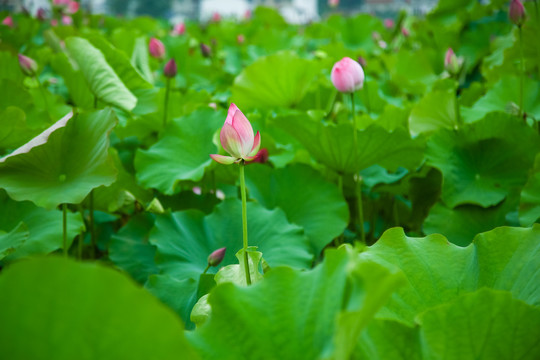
point(256, 145)
point(222, 159)
point(243, 127)
point(230, 140)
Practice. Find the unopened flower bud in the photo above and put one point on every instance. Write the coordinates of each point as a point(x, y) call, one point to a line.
point(516, 12)
point(451, 62)
point(8, 21)
point(205, 50)
point(347, 75)
point(215, 258)
point(28, 65)
point(156, 48)
point(170, 69)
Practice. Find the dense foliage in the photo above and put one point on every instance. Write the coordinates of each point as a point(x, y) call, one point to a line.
point(105, 156)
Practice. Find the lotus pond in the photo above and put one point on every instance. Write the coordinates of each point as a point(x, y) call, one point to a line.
point(373, 190)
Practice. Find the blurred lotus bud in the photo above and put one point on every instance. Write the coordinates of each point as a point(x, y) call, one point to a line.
point(28, 65)
point(240, 39)
point(8, 21)
point(516, 12)
point(41, 14)
point(376, 36)
point(382, 44)
point(54, 22)
point(67, 20)
point(388, 23)
point(215, 258)
point(247, 14)
point(170, 69)
point(451, 62)
point(362, 61)
point(216, 17)
point(333, 3)
point(347, 75)
point(405, 32)
point(156, 48)
point(197, 190)
point(205, 50)
point(73, 7)
point(179, 29)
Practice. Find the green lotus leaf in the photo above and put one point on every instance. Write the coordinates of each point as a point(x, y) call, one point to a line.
point(85, 311)
point(182, 154)
point(10, 242)
point(529, 207)
point(259, 322)
point(482, 162)
point(279, 80)
point(435, 111)
point(100, 76)
point(62, 164)
point(44, 226)
point(79, 92)
point(438, 271)
point(306, 197)
point(333, 145)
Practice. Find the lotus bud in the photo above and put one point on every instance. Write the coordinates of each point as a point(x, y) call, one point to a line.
point(237, 138)
point(333, 3)
point(155, 207)
point(451, 62)
point(179, 29)
point(261, 157)
point(247, 14)
point(405, 32)
point(8, 21)
point(61, 3)
point(28, 65)
point(170, 69)
point(216, 17)
point(347, 75)
point(388, 23)
point(41, 14)
point(67, 20)
point(73, 7)
point(240, 39)
point(197, 190)
point(54, 22)
point(516, 12)
point(215, 258)
point(156, 48)
point(205, 50)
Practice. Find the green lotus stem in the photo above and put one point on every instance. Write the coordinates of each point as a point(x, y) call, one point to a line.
point(354, 120)
point(92, 230)
point(340, 184)
point(456, 110)
point(358, 180)
point(205, 270)
point(522, 78)
point(244, 221)
point(166, 106)
point(64, 228)
point(368, 105)
point(42, 91)
point(80, 245)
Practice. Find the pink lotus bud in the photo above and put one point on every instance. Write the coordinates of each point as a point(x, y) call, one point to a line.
point(362, 62)
point(28, 65)
point(179, 29)
point(237, 138)
point(67, 20)
point(451, 62)
point(73, 7)
point(261, 157)
point(405, 32)
point(216, 257)
point(205, 50)
point(54, 22)
point(347, 75)
point(61, 2)
point(382, 44)
point(8, 21)
point(41, 14)
point(216, 17)
point(516, 12)
point(170, 69)
point(240, 39)
point(333, 3)
point(247, 14)
point(156, 48)
point(388, 23)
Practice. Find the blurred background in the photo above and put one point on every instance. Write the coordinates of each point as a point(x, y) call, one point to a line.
point(294, 11)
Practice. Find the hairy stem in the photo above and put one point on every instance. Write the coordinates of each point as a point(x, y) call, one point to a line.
point(244, 221)
point(166, 106)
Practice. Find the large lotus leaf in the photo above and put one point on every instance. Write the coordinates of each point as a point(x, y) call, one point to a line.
point(79, 92)
point(411, 71)
point(130, 250)
point(120, 63)
point(73, 310)
point(462, 223)
point(300, 320)
point(279, 80)
point(333, 145)
point(10, 242)
point(483, 161)
point(44, 226)
point(185, 239)
point(486, 324)
point(501, 97)
point(356, 31)
point(473, 326)
point(435, 111)
point(62, 164)
point(529, 207)
point(438, 271)
point(10, 68)
point(101, 78)
point(14, 130)
point(306, 197)
point(182, 154)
